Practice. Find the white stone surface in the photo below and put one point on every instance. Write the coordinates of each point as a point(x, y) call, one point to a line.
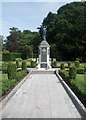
point(40, 96)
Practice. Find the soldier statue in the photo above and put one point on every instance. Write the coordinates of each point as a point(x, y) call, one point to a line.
point(42, 31)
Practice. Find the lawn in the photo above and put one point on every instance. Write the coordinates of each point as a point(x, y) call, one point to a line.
point(80, 82)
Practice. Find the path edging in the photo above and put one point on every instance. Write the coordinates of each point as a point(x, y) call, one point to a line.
point(80, 107)
point(5, 100)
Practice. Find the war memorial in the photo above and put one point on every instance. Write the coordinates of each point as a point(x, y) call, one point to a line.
point(42, 93)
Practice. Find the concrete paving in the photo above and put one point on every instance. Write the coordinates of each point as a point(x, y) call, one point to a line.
point(40, 96)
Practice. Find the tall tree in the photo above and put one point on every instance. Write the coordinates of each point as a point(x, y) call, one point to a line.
point(12, 40)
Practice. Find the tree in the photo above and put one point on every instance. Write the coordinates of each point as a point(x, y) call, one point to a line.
point(12, 40)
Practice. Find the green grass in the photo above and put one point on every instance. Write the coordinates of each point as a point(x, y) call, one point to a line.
point(80, 82)
point(6, 84)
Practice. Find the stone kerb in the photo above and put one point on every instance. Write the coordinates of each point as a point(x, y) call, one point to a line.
point(80, 107)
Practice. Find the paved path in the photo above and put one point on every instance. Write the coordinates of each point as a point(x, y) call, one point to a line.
point(41, 96)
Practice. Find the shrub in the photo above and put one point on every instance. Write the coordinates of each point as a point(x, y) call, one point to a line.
point(77, 63)
point(10, 56)
point(4, 68)
point(69, 64)
point(62, 67)
point(80, 70)
point(11, 70)
point(24, 65)
point(72, 72)
point(54, 64)
point(17, 63)
point(20, 74)
point(33, 64)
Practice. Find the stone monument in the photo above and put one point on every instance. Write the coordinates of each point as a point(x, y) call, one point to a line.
point(44, 50)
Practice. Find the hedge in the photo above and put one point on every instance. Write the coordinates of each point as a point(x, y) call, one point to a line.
point(10, 56)
point(72, 72)
point(11, 70)
point(62, 67)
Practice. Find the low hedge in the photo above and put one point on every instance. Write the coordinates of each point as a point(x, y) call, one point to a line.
point(8, 84)
point(72, 72)
point(54, 64)
point(11, 70)
point(10, 56)
point(62, 67)
point(80, 70)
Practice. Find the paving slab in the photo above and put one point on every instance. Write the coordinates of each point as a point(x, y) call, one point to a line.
point(40, 96)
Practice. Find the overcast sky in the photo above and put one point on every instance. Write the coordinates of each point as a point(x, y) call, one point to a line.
point(26, 15)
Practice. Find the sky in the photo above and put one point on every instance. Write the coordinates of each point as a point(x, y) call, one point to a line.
point(26, 15)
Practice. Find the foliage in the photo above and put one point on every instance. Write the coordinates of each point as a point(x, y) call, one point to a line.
point(24, 65)
point(77, 63)
point(17, 64)
point(54, 64)
point(80, 70)
point(72, 72)
point(66, 30)
point(69, 64)
point(12, 40)
point(33, 64)
point(7, 84)
point(4, 68)
point(62, 67)
point(11, 70)
point(10, 56)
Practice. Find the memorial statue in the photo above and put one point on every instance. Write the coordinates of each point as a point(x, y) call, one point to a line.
point(42, 31)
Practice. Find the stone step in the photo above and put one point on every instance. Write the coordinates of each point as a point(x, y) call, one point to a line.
point(42, 71)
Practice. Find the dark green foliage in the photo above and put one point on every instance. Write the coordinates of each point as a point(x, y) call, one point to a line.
point(24, 66)
point(33, 64)
point(17, 64)
point(62, 67)
point(77, 63)
point(20, 74)
point(54, 64)
point(10, 56)
point(72, 72)
point(66, 30)
point(85, 68)
point(69, 64)
point(4, 68)
point(8, 84)
point(11, 70)
point(80, 70)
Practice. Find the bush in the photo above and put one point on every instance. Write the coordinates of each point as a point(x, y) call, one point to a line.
point(20, 74)
point(11, 70)
point(54, 64)
point(77, 63)
point(24, 65)
point(10, 56)
point(17, 63)
point(4, 68)
point(62, 67)
point(80, 70)
point(69, 64)
point(33, 64)
point(72, 72)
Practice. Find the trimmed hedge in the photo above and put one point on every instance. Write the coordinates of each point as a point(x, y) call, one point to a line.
point(80, 70)
point(54, 64)
point(69, 64)
point(77, 63)
point(11, 70)
point(72, 72)
point(62, 67)
point(24, 66)
point(4, 68)
point(17, 64)
point(10, 56)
